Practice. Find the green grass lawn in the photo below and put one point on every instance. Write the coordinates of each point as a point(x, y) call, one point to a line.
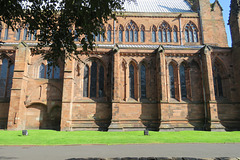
point(48, 137)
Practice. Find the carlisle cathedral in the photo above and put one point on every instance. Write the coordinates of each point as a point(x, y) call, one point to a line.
point(163, 65)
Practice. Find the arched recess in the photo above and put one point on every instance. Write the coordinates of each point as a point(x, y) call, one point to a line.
point(184, 75)
point(36, 116)
point(220, 79)
point(173, 80)
point(196, 81)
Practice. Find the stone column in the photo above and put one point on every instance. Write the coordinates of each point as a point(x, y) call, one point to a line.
point(210, 103)
point(115, 83)
point(16, 115)
point(162, 88)
point(67, 99)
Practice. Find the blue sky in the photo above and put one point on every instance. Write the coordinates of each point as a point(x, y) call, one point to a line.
point(226, 7)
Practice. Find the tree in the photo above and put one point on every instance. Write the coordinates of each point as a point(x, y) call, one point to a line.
point(60, 22)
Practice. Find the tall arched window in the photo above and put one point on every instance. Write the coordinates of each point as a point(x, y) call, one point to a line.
point(131, 81)
point(175, 34)
point(0, 31)
point(85, 81)
point(93, 83)
point(171, 81)
point(142, 33)
point(131, 32)
point(6, 34)
point(191, 32)
point(120, 33)
point(154, 29)
point(217, 79)
point(109, 33)
point(101, 82)
point(164, 32)
point(143, 81)
point(42, 71)
point(183, 81)
point(9, 80)
point(3, 77)
point(102, 37)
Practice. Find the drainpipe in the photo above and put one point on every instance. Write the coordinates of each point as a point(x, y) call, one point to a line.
point(204, 96)
point(180, 28)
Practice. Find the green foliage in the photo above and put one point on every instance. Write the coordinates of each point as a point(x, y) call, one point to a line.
point(47, 137)
point(60, 22)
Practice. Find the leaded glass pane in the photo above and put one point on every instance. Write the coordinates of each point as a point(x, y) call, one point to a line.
point(190, 36)
point(101, 82)
point(186, 36)
point(164, 36)
point(25, 34)
point(56, 72)
point(85, 81)
point(98, 37)
point(10, 77)
point(42, 71)
point(135, 36)
point(102, 37)
point(195, 36)
point(159, 36)
point(175, 37)
point(183, 82)
point(127, 36)
point(153, 36)
point(18, 34)
point(120, 35)
point(109, 36)
point(3, 77)
point(34, 35)
point(93, 84)
point(131, 81)
point(142, 36)
point(171, 79)
point(169, 36)
point(143, 81)
point(131, 35)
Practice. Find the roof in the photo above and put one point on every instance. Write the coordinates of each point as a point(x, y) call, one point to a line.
point(157, 6)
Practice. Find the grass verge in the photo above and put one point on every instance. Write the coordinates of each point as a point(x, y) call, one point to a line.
point(49, 137)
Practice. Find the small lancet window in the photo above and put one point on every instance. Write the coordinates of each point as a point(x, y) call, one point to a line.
point(183, 81)
point(42, 71)
point(3, 77)
point(120, 33)
point(154, 29)
point(142, 36)
point(171, 80)
point(18, 33)
point(131, 81)
point(175, 34)
point(25, 34)
point(217, 79)
point(109, 33)
point(6, 34)
point(143, 81)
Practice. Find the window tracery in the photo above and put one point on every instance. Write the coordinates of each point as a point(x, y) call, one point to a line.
point(191, 32)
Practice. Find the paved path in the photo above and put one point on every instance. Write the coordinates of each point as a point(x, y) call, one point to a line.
point(118, 151)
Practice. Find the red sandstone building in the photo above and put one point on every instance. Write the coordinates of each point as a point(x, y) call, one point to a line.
point(163, 65)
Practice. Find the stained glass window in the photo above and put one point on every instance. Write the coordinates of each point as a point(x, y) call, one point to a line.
point(171, 80)
point(131, 81)
point(25, 34)
point(85, 81)
point(109, 34)
point(191, 34)
point(131, 32)
point(127, 36)
point(153, 34)
point(6, 34)
point(18, 34)
point(101, 82)
point(93, 83)
point(142, 33)
point(217, 79)
point(175, 34)
point(143, 81)
point(183, 82)
point(120, 33)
